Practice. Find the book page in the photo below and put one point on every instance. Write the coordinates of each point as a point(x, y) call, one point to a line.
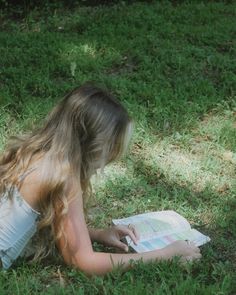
point(159, 229)
point(161, 242)
point(155, 224)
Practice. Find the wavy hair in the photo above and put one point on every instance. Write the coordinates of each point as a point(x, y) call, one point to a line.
point(85, 131)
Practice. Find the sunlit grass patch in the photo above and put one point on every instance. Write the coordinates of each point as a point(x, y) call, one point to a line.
point(203, 157)
point(186, 168)
point(221, 129)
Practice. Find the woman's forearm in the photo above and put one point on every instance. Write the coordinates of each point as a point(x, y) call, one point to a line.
point(77, 250)
point(99, 263)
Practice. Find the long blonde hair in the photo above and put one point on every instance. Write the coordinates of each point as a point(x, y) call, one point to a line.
point(86, 130)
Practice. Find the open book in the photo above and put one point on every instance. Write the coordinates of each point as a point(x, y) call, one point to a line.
point(159, 229)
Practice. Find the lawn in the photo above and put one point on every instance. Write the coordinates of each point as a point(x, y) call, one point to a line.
point(173, 65)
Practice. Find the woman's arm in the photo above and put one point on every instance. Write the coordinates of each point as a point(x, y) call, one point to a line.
point(76, 247)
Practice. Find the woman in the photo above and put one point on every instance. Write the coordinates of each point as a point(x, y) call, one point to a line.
point(45, 182)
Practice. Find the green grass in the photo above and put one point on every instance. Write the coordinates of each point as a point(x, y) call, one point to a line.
point(173, 67)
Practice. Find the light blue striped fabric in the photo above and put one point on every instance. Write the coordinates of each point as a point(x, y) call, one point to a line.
point(18, 223)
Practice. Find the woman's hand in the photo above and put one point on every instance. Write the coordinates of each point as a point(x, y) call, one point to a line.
point(185, 249)
point(112, 236)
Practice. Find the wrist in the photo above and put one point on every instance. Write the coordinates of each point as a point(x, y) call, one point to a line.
point(160, 254)
point(95, 235)
point(165, 253)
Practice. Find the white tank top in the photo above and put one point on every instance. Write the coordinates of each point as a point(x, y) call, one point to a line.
point(18, 224)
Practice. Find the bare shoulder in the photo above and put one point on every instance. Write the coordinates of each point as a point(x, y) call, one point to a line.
point(30, 186)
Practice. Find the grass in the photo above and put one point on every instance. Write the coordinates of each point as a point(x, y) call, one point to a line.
point(173, 67)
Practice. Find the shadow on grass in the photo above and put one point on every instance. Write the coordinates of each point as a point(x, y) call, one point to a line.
point(146, 188)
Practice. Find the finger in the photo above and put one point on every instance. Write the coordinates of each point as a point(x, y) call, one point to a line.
point(133, 229)
point(187, 259)
point(196, 256)
point(133, 235)
point(197, 250)
point(129, 232)
point(136, 233)
point(190, 243)
point(194, 247)
point(121, 246)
